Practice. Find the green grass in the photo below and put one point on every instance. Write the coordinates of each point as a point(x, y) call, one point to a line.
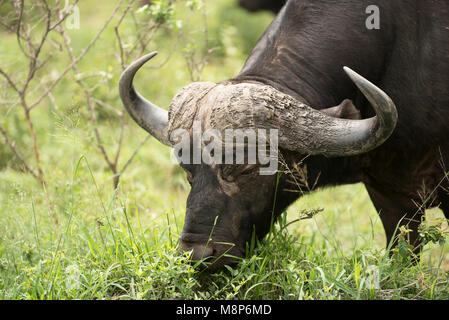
point(109, 245)
point(80, 239)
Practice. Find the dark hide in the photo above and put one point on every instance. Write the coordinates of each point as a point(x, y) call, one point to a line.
point(302, 53)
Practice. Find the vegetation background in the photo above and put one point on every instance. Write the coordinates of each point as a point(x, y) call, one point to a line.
point(92, 208)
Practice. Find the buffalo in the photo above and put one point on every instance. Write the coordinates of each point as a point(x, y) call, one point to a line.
point(257, 5)
point(387, 129)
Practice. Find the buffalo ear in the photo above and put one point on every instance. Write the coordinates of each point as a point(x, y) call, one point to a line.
point(345, 110)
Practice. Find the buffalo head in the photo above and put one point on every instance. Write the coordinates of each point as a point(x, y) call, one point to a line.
point(228, 202)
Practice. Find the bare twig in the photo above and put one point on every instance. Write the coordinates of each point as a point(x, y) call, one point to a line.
point(134, 154)
point(17, 154)
point(77, 59)
point(39, 28)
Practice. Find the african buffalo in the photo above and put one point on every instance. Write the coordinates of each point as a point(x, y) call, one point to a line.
point(295, 81)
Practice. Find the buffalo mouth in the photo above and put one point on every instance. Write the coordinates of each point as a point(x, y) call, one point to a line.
point(210, 254)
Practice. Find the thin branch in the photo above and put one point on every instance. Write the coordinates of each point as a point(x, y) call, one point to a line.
point(89, 101)
point(117, 34)
point(18, 33)
point(17, 154)
point(108, 107)
point(64, 17)
point(76, 60)
point(11, 83)
point(134, 154)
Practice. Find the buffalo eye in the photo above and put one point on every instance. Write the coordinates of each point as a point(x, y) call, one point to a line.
point(227, 173)
point(248, 170)
point(231, 172)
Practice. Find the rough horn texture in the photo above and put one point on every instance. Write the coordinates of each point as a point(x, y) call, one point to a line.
point(250, 105)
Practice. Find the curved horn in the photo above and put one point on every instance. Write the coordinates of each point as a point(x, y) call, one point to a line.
point(147, 115)
point(310, 131)
point(386, 117)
